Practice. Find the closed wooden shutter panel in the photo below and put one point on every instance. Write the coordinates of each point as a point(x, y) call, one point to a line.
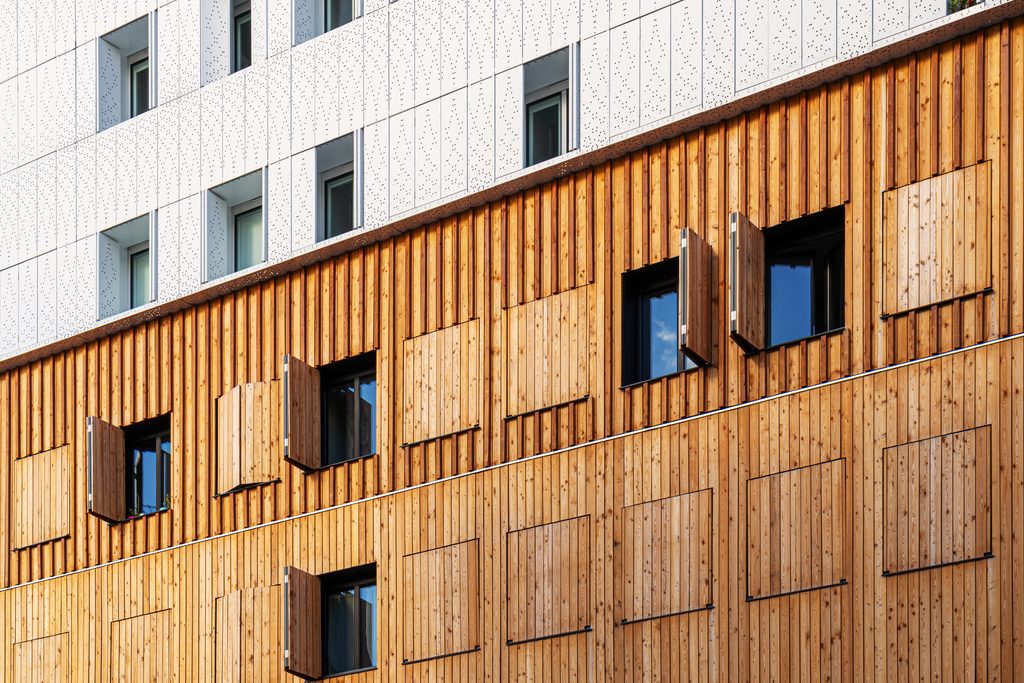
point(695, 321)
point(41, 497)
point(105, 446)
point(245, 442)
point(302, 629)
point(746, 289)
point(301, 414)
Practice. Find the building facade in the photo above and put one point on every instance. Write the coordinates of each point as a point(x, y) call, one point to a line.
point(572, 340)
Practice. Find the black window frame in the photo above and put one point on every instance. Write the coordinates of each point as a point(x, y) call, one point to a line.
point(818, 240)
point(241, 12)
point(155, 430)
point(327, 15)
point(331, 178)
point(133, 253)
point(236, 216)
point(649, 281)
point(336, 582)
point(134, 62)
point(356, 368)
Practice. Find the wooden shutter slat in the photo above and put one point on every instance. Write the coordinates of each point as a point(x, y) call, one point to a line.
point(105, 446)
point(747, 315)
point(302, 629)
point(695, 322)
point(301, 414)
point(229, 420)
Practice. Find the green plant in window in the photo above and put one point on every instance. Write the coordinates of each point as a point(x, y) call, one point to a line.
point(957, 5)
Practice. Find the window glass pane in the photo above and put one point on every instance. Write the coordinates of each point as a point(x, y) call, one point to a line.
point(139, 278)
point(660, 340)
point(368, 415)
point(338, 210)
point(340, 400)
point(790, 304)
point(248, 238)
point(341, 636)
point(140, 86)
point(243, 41)
point(544, 129)
point(337, 13)
point(368, 615)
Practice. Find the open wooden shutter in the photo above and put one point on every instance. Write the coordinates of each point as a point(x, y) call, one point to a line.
point(302, 631)
point(106, 477)
point(229, 435)
point(695, 322)
point(746, 288)
point(301, 414)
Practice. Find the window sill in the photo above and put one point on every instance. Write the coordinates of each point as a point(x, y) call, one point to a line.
point(330, 677)
point(796, 342)
point(248, 487)
point(652, 380)
point(133, 518)
point(334, 465)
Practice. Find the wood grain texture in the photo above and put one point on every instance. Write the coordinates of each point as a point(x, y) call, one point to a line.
point(303, 641)
point(302, 433)
point(746, 285)
point(938, 500)
point(696, 321)
point(107, 489)
point(442, 588)
point(548, 342)
point(44, 658)
point(41, 497)
point(248, 435)
point(937, 238)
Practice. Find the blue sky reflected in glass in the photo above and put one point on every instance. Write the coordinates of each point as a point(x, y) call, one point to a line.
point(662, 353)
point(790, 306)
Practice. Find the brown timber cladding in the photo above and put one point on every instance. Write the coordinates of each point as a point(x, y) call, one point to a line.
point(947, 108)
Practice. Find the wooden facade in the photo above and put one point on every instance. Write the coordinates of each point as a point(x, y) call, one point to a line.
point(531, 517)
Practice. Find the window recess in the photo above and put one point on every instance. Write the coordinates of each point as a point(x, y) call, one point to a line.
point(241, 36)
point(786, 283)
point(126, 72)
point(339, 186)
point(550, 102)
point(126, 258)
point(316, 17)
point(236, 234)
point(129, 469)
point(330, 621)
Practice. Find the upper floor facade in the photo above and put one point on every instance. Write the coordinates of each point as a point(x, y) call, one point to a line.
point(427, 102)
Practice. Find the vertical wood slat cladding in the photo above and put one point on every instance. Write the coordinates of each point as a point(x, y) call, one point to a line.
point(938, 500)
point(442, 382)
point(47, 656)
point(549, 570)
point(302, 435)
point(858, 136)
point(957, 620)
point(107, 493)
point(667, 556)
point(140, 647)
point(696, 317)
point(247, 626)
point(937, 239)
point(303, 643)
point(41, 497)
point(442, 605)
point(795, 530)
point(248, 429)
point(548, 351)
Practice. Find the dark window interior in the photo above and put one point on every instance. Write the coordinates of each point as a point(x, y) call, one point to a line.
point(650, 323)
point(349, 619)
point(804, 277)
point(544, 123)
point(336, 13)
point(338, 212)
point(242, 56)
point(348, 390)
point(139, 86)
point(148, 466)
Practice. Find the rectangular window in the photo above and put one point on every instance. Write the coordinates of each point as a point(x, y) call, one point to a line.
point(804, 277)
point(148, 466)
point(241, 38)
point(139, 84)
point(248, 238)
point(338, 205)
point(349, 397)
point(650, 334)
point(337, 13)
point(349, 620)
point(546, 126)
point(139, 278)
point(549, 102)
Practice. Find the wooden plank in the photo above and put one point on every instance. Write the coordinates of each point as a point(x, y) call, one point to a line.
point(301, 387)
point(746, 288)
point(106, 495)
point(302, 641)
point(696, 321)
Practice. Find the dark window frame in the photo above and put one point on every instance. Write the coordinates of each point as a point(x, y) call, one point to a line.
point(330, 178)
point(241, 13)
point(157, 431)
point(236, 216)
point(137, 62)
point(559, 93)
point(328, 15)
point(817, 240)
point(133, 253)
point(357, 368)
point(638, 285)
point(356, 578)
